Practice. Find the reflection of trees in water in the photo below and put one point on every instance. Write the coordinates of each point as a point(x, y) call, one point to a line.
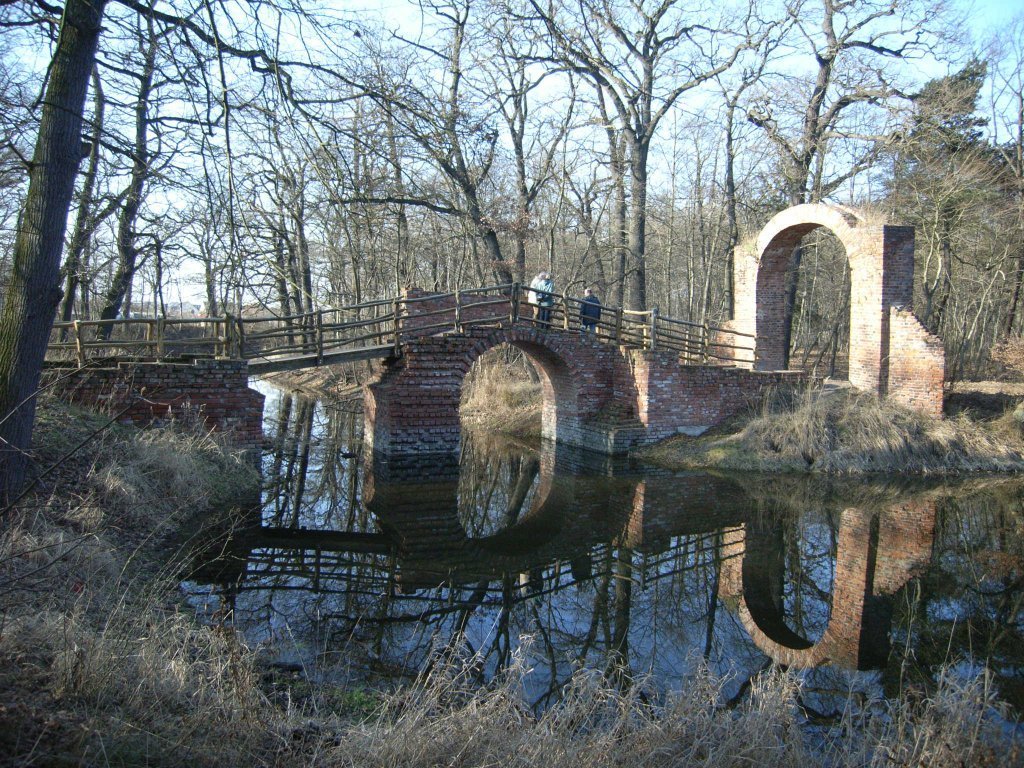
point(311, 474)
point(970, 604)
point(810, 544)
point(496, 487)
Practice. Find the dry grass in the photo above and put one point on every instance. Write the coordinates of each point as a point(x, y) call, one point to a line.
point(448, 721)
point(96, 660)
point(849, 432)
point(500, 396)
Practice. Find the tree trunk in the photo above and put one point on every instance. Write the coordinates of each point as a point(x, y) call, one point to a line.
point(638, 228)
point(33, 290)
point(127, 247)
point(85, 220)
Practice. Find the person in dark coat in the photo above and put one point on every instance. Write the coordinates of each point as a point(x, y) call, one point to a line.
point(590, 312)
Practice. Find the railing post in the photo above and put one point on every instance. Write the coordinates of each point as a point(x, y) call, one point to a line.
point(618, 325)
point(654, 327)
point(229, 329)
point(705, 343)
point(458, 311)
point(513, 315)
point(397, 325)
point(79, 344)
point(319, 337)
point(160, 338)
point(240, 337)
point(565, 312)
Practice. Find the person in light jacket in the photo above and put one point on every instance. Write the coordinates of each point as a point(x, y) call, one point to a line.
point(541, 296)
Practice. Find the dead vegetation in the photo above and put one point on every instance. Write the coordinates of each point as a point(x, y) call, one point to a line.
point(845, 431)
point(503, 394)
point(101, 664)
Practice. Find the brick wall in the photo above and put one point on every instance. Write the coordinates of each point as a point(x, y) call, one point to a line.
point(430, 313)
point(881, 259)
point(917, 364)
point(674, 398)
point(215, 391)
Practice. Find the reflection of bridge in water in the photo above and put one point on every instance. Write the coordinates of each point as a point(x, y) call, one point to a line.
point(586, 520)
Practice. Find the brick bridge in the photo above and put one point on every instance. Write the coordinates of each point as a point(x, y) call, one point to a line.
point(641, 378)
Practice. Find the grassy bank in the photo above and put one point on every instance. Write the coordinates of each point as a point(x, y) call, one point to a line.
point(500, 396)
point(844, 431)
point(101, 663)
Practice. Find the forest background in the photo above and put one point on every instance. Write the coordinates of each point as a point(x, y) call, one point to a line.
point(207, 157)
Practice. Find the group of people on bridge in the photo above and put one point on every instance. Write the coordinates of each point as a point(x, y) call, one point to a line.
point(541, 296)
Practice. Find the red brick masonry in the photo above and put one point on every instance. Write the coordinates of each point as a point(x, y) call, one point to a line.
point(216, 391)
point(597, 396)
point(890, 352)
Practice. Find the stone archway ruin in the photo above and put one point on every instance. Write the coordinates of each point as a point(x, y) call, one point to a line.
point(891, 353)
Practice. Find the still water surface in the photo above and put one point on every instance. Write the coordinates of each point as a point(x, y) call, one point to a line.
point(372, 570)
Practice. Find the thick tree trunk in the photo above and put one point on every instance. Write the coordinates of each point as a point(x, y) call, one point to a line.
point(33, 290)
point(637, 299)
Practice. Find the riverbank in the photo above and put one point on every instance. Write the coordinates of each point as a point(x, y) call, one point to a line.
point(843, 431)
point(102, 662)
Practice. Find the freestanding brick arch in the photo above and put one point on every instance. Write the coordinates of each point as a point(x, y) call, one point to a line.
point(890, 351)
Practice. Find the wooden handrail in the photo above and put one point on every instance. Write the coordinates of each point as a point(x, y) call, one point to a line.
point(326, 330)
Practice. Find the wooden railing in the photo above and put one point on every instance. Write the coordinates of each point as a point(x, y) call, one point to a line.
point(378, 329)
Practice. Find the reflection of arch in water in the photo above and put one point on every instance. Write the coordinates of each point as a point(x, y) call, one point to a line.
point(577, 505)
point(567, 511)
point(876, 555)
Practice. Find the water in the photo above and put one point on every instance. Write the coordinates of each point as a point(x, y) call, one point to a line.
point(371, 571)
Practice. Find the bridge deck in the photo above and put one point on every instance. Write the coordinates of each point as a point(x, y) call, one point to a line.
point(281, 363)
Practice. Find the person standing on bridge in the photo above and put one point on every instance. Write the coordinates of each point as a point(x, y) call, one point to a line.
point(541, 295)
point(590, 312)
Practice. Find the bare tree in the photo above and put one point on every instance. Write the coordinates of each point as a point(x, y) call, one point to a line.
point(845, 102)
point(33, 289)
point(643, 57)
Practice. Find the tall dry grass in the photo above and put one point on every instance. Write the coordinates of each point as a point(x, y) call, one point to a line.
point(97, 656)
point(500, 395)
point(447, 720)
point(846, 431)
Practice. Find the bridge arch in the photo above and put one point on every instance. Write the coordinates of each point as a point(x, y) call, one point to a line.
point(414, 405)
